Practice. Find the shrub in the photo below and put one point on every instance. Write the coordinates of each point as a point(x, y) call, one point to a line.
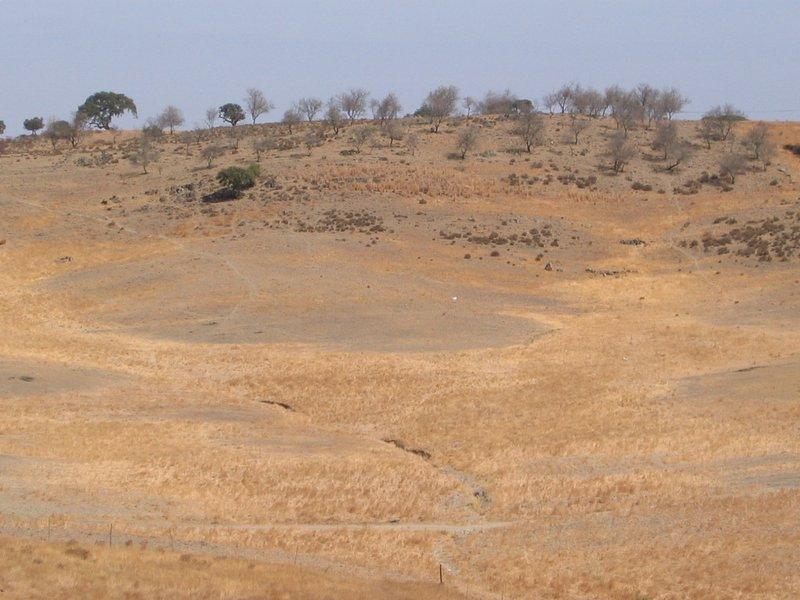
point(238, 178)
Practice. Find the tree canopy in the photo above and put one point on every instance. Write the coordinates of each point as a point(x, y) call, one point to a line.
point(100, 108)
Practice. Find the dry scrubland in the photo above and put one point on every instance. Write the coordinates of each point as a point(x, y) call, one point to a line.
point(514, 366)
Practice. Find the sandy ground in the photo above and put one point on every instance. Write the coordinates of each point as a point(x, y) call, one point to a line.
point(348, 410)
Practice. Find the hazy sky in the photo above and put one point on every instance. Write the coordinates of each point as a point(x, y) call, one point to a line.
point(201, 53)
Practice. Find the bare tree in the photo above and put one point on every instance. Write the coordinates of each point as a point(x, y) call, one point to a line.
point(647, 96)
point(498, 104)
point(256, 104)
point(309, 107)
point(57, 130)
point(470, 105)
point(334, 116)
point(212, 114)
point(186, 138)
point(354, 103)
point(360, 136)
point(236, 136)
point(291, 118)
point(467, 140)
point(757, 141)
point(666, 137)
point(412, 143)
point(671, 102)
point(440, 104)
point(145, 153)
point(621, 151)
point(626, 111)
point(587, 101)
point(707, 132)
point(722, 120)
point(78, 128)
point(577, 125)
point(388, 109)
point(210, 152)
point(730, 165)
point(550, 101)
point(262, 145)
point(563, 97)
point(394, 131)
point(530, 129)
point(679, 152)
point(171, 118)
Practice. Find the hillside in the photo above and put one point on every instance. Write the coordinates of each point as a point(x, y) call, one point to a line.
point(545, 378)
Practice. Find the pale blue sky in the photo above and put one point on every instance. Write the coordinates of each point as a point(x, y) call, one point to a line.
point(201, 53)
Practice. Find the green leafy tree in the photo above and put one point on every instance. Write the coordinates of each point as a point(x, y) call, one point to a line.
point(33, 124)
point(231, 113)
point(102, 107)
point(2, 127)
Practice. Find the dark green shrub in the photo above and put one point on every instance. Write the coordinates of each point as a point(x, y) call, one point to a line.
point(237, 178)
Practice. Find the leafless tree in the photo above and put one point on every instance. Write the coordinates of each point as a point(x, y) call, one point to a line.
point(722, 120)
point(626, 111)
point(671, 102)
point(563, 97)
point(56, 130)
point(394, 131)
point(291, 118)
point(577, 125)
point(262, 145)
point(587, 101)
point(530, 129)
point(647, 96)
point(212, 114)
point(256, 104)
point(186, 138)
point(388, 109)
point(360, 136)
point(354, 103)
point(679, 152)
point(666, 137)
point(550, 101)
point(470, 105)
point(497, 104)
point(334, 116)
point(730, 165)
point(145, 153)
point(440, 104)
point(236, 135)
point(757, 141)
point(171, 118)
point(78, 128)
point(467, 140)
point(412, 143)
point(309, 107)
point(621, 151)
point(313, 138)
point(707, 132)
point(210, 152)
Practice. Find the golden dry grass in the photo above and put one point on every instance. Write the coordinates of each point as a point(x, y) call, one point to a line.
point(578, 435)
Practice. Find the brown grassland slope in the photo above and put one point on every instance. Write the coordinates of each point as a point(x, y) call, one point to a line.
point(543, 378)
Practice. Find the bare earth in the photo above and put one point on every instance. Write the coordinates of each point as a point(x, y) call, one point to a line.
point(310, 392)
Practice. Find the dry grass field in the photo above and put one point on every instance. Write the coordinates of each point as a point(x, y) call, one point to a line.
point(516, 368)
